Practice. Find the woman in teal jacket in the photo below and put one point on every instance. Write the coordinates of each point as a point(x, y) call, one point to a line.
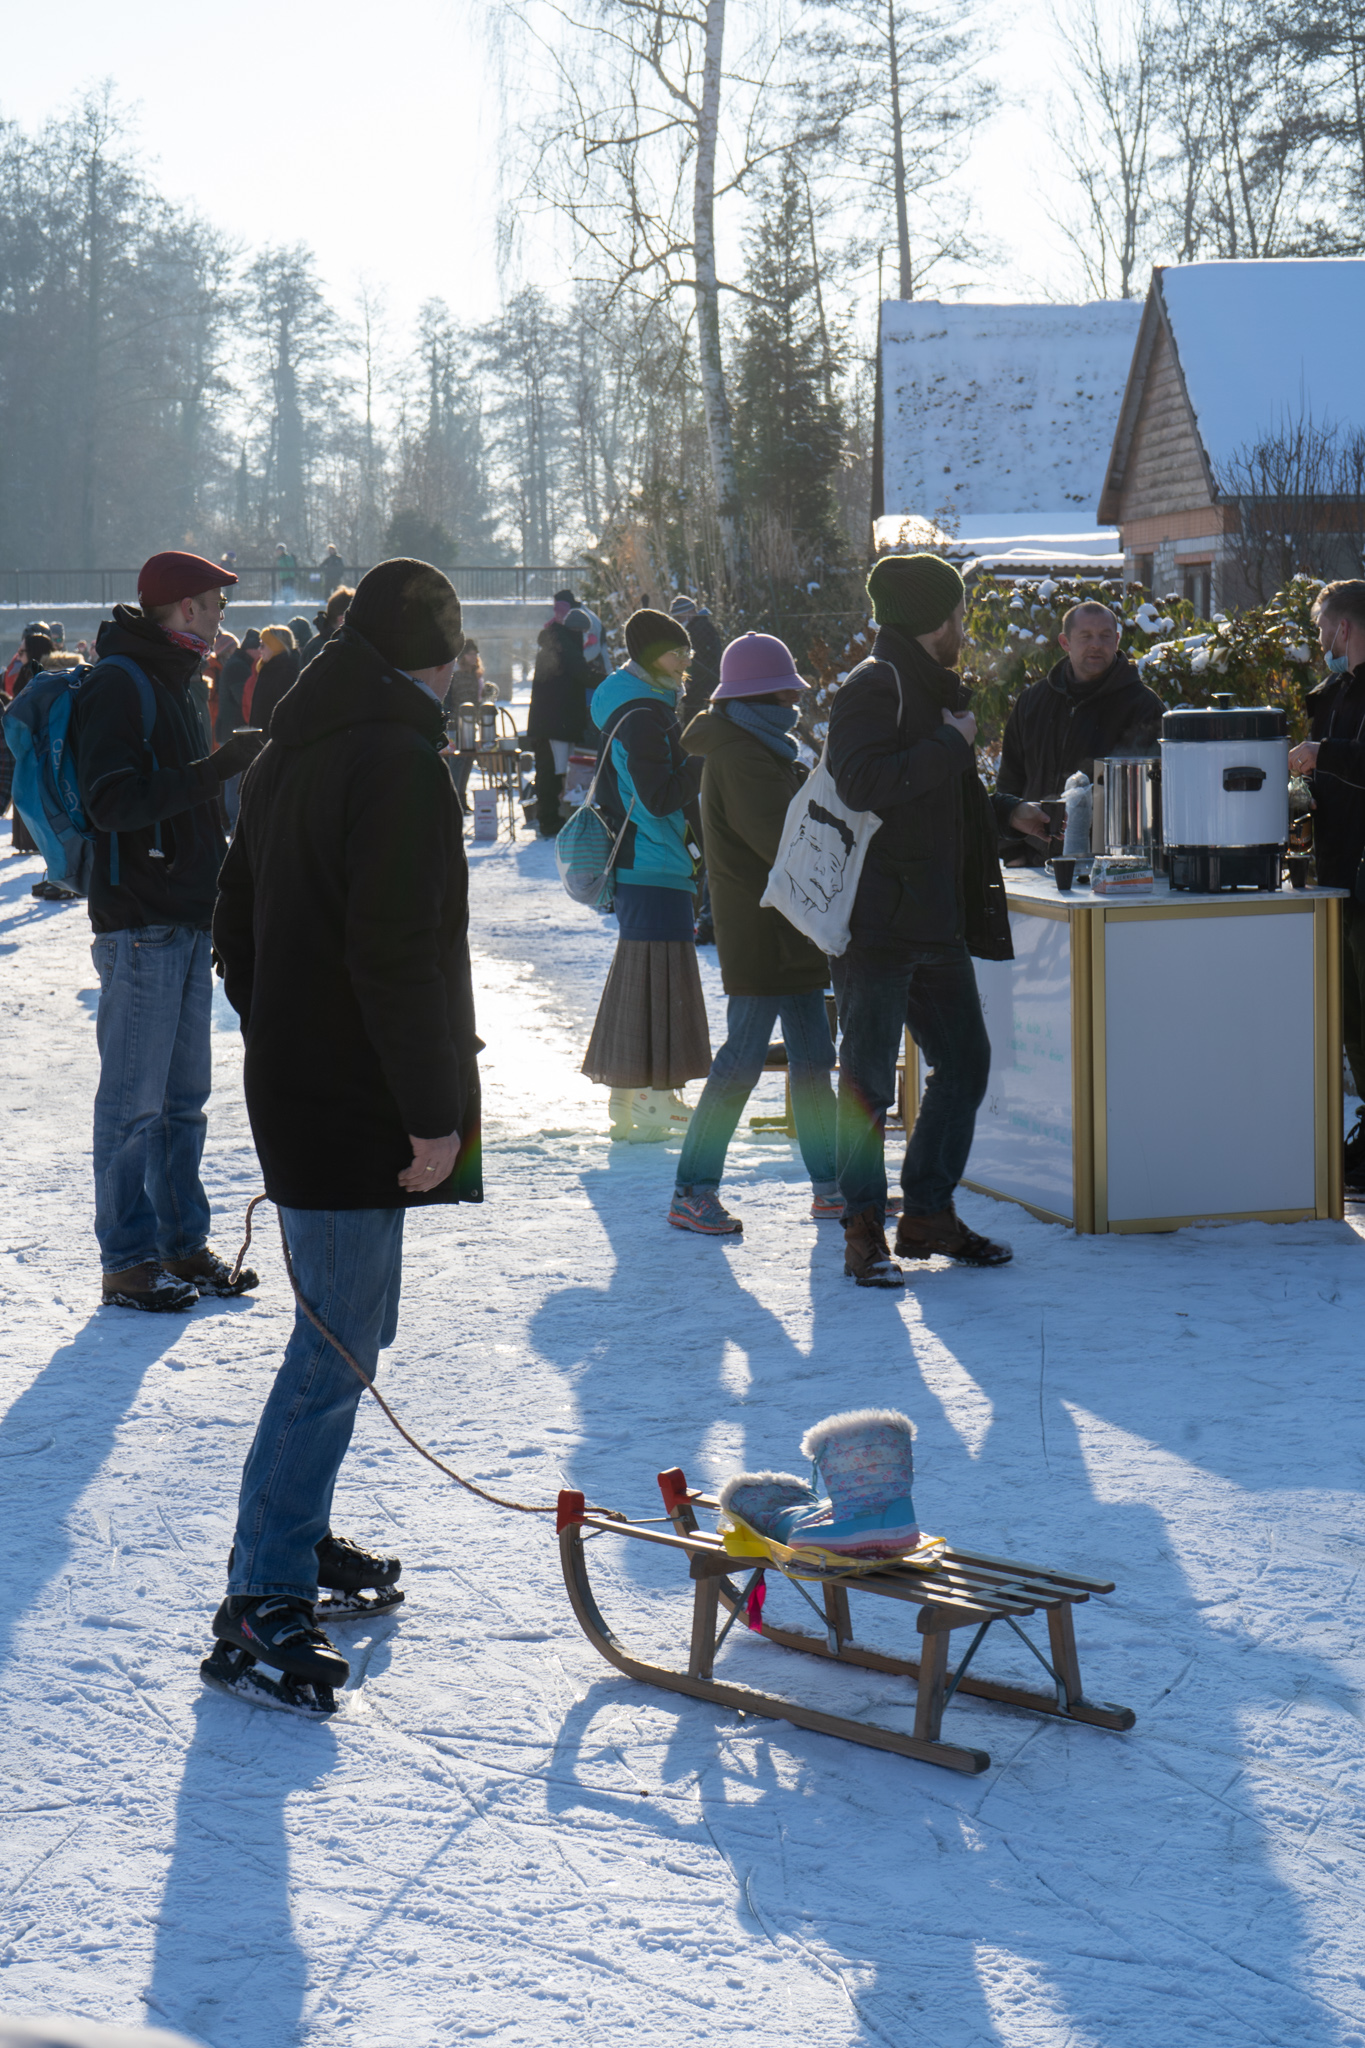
point(651, 1032)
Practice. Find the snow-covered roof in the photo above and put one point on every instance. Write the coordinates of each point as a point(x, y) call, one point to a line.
point(1259, 342)
point(1001, 414)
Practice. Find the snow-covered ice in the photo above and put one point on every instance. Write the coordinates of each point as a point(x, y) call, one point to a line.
point(503, 1839)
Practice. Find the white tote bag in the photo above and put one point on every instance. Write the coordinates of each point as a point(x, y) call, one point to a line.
point(820, 857)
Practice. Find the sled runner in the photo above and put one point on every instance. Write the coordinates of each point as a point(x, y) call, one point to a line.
point(953, 1589)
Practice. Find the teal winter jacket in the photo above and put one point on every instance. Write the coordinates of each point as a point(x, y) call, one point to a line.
point(646, 774)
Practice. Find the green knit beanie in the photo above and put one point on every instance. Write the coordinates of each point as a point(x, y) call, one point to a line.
point(918, 593)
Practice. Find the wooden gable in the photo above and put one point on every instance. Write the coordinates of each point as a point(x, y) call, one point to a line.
point(1158, 468)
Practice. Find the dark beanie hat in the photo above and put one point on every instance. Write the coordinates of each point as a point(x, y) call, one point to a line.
point(918, 593)
point(650, 634)
point(409, 613)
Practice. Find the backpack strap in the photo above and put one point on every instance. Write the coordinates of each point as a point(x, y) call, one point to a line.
point(147, 701)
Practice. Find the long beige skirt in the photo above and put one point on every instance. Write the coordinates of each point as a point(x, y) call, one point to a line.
point(651, 1029)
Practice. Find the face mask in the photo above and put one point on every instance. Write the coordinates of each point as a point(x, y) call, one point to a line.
point(1337, 664)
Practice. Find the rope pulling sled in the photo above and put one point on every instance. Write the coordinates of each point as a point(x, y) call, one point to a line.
point(862, 1538)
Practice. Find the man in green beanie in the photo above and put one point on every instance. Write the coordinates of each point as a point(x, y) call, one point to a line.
point(901, 743)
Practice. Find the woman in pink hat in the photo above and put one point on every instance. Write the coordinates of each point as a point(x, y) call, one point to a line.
point(769, 970)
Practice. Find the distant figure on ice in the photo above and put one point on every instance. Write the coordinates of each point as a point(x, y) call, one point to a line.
point(901, 736)
point(331, 569)
point(342, 926)
point(703, 678)
point(154, 803)
point(770, 971)
point(286, 570)
point(1092, 704)
point(560, 686)
point(651, 1033)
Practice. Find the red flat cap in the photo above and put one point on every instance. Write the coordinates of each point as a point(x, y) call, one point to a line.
point(165, 579)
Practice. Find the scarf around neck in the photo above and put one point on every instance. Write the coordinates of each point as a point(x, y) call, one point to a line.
point(773, 724)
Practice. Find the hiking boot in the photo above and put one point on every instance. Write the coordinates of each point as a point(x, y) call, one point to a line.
point(867, 1256)
point(700, 1210)
point(207, 1272)
point(148, 1286)
point(827, 1208)
point(920, 1237)
point(278, 1630)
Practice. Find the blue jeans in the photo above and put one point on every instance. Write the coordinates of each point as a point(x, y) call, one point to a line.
point(349, 1266)
point(933, 991)
point(156, 1070)
point(734, 1075)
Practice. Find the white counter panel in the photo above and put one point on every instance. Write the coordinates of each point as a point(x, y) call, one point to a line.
point(1209, 1065)
point(1023, 1143)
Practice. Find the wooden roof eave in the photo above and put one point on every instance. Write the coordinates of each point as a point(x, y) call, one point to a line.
point(1155, 322)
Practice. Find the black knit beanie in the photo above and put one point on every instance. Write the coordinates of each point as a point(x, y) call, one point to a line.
point(409, 613)
point(918, 593)
point(650, 634)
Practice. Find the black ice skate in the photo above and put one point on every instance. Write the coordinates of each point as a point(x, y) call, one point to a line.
point(272, 1653)
point(353, 1583)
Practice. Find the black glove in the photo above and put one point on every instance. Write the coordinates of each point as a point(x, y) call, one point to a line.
point(236, 754)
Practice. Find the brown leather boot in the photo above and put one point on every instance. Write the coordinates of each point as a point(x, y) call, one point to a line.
point(867, 1255)
point(920, 1237)
point(148, 1286)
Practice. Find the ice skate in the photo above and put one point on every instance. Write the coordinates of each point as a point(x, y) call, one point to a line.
point(354, 1584)
point(295, 1666)
point(234, 1672)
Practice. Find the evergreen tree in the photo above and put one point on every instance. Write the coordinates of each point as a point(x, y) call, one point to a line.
point(788, 425)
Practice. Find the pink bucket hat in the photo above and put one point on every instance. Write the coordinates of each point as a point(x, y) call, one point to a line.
point(755, 664)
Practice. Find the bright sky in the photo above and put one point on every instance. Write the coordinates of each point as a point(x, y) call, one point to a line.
point(371, 133)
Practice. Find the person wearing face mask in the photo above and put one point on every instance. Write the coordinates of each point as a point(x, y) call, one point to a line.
point(1333, 756)
point(651, 1033)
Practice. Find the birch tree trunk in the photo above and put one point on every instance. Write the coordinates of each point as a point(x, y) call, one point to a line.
point(719, 427)
point(898, 158)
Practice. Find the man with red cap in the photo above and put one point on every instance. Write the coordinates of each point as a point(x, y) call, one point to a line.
point(150, 788)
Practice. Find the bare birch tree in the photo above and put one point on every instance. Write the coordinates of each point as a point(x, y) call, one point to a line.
point(653, 128)
point(1106, 131)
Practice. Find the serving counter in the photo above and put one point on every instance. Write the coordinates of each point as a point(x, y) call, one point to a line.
point(1162, 1060)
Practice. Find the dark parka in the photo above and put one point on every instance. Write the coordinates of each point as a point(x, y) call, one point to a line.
point(273, 679)
point(932, 872)
point(342, 931)
point(561, 684)
point(1060, 728)
point(1336, 714)
point(703, 676)
point(121, 790)
point(745, 792)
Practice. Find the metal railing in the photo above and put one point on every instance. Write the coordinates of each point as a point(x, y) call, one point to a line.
point(261, 583)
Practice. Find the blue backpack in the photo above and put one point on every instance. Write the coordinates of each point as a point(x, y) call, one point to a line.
point(46, 790)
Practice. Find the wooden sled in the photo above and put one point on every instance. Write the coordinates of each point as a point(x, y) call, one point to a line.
point(963, 1590)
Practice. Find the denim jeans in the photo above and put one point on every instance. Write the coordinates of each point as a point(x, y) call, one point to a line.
point(734, 1075)
point(349, 1266)
point(156, 1070)
point(933, 991)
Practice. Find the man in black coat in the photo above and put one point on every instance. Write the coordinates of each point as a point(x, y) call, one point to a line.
point(342, 929)
point(560, 686)
point(1334, 755)
point(152, 797)
point(703, 676)
point(930, 895)
point(1091, 705)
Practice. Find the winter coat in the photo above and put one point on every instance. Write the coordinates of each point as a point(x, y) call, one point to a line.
point(331, 570)
point(645, 764)
point(560, 686)
point(342, 933)
point(1336, 714)
point(273, 678)
point(1056, 730)
point(704, 674)
point(233, 678)
point(932, 872)
point(745, 792)
point(122, 792)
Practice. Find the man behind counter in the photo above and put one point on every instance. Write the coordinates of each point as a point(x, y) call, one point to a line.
point(1092, 704)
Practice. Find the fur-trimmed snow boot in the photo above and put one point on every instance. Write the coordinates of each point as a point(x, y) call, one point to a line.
point(866, 1463)
point(767, 1501)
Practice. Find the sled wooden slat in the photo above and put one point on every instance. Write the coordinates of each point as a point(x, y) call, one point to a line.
point(965, 1590)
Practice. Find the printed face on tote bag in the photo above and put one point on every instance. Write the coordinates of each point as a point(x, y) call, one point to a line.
point(826, 844)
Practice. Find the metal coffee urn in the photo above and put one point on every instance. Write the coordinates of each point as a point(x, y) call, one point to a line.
point(1225, 797)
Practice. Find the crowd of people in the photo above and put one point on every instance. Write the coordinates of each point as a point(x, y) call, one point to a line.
point(211, 847)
